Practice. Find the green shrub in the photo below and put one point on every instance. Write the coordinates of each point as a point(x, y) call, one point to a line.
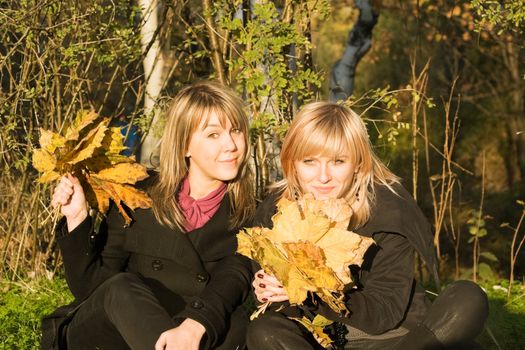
point(22, 305)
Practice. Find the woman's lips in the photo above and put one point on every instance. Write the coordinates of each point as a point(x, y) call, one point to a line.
point(324, 189)
point(228, 161)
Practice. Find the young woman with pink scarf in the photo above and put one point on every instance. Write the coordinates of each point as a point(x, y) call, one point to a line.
point(171, 279)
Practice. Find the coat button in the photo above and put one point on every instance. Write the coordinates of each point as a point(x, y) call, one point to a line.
point(197, 304)
point(202, 277)
point(157, 265)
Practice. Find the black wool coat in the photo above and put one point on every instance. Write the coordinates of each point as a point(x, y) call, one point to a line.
point(387, 295)
point(200, 266)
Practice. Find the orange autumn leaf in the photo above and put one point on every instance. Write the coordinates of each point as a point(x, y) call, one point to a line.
point(128, 173)
point(43, 161)
point(102, 198)
point(120, 193)
point(90, 150)
point(82, 120)
point(48, 176)
point(342, 249)
point(312, 246)
point(292, 223)
point(311, 259)
point(50, 141)
point(87, 146)
point(316, 327)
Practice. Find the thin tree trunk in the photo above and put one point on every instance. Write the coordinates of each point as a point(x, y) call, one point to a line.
point(216, 50)
point(153, 72)
point(517, 111)
point(359, 42)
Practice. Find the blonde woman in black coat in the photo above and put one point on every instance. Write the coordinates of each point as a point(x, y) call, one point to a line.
point(171, 280)
point(327, 153)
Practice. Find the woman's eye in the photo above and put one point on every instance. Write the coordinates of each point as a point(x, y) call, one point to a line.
point(213, 135)
point(308, 161)
point(339, 161)
point(236, 131)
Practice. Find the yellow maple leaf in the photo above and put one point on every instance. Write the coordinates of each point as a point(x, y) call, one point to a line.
point(82, 120)
point(87, 146)
point(274, 261)
point(343, 248)
point(297, 285)
point(91, 150)
point(128, 173)
point(308, 250)
point(291, 223)
point(244, 244)
point(120, 193)
point(115, 142)
point(50, 141)
point(98, 196)
point(336, 210)
point(311, 259)
point(48, 176)
point(43, 161)
point(316, 327)
point(254, 243)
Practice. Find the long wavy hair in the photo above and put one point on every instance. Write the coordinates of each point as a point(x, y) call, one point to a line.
point(188, 109)
point(331, 130)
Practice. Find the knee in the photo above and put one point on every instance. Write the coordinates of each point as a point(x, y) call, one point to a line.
point(273, 330)
point(459, 313)
point(257, 335)
point(270, 330)
point(467, 299)
point(121, 289)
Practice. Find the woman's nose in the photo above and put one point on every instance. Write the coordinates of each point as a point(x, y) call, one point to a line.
point(229, 143)
point(324, 173)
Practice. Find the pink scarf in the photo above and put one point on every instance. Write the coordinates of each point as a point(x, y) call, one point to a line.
point(198, 212)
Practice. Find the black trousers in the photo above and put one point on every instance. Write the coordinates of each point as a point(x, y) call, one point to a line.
point(130, 312)
point(453, 321)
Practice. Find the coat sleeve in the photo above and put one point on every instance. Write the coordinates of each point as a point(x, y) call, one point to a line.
point(227, 289)
point(89, 258)
point(387, 278)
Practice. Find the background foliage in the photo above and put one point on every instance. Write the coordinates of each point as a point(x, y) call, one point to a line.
point(442, 92)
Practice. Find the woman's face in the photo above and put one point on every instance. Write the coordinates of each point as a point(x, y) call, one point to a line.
point(215, 152)
point(324, 177)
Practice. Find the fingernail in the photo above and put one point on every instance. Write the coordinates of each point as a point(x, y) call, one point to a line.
point(260, 275)
point(264, 299)
point(262, 285)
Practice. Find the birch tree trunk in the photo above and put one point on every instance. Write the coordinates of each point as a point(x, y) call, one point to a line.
point(154, 67)
point(216, 47)
point(359, 42)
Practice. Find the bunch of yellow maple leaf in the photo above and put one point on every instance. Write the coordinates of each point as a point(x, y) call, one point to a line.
point(91, 150)
point(308, 250)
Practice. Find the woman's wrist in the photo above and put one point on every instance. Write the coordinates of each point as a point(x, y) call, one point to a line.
point(74, 221)
point(193, 326)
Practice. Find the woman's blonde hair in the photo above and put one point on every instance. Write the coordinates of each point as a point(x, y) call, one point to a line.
point(332, 130)
point(192, 106)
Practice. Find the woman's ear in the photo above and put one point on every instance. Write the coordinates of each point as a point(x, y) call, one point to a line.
point(188, 154)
